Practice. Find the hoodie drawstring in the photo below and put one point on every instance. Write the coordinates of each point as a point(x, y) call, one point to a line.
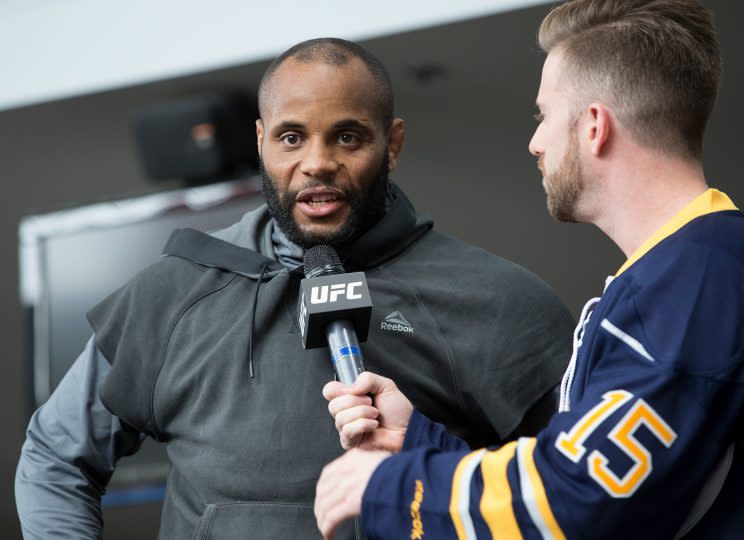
point(253, 320)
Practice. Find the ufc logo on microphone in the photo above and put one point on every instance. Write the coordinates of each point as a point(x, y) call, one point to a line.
point(324, 299)
point(325, 293)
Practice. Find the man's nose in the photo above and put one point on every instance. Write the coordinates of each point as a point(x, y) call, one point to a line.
point(534, 147)
point(319, 161)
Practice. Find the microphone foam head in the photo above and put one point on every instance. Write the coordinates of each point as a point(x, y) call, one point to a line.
point(322, 260)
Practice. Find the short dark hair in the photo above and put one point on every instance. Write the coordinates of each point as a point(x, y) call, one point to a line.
point(336, 52)
point(656, 62)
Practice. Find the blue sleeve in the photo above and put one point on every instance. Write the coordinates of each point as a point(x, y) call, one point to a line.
point(71, 448)
point(627, 462)
point(422, 432)
point(657, 407)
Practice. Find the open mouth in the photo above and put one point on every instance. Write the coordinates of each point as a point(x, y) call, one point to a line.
point(320, 202)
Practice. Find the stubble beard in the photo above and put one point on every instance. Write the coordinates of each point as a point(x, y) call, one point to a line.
point(564, 186)
point(367, 208)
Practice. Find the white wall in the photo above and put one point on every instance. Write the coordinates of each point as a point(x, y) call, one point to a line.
point(57, 49)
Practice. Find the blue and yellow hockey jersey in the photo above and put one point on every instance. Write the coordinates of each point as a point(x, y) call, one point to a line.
point(652, 442)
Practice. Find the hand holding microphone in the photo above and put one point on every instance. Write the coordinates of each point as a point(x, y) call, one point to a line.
point(378, 422)
point(335, 310)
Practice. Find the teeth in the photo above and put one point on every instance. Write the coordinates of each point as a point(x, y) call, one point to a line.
point(320, 203)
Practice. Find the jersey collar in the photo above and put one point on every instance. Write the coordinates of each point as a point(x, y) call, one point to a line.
point(707, 203)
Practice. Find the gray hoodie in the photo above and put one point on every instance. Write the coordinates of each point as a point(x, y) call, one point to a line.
point(205, 356)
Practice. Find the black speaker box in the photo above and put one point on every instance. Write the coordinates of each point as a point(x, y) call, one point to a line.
point(198, 139)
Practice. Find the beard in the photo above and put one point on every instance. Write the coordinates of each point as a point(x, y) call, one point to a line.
point(367, 208)
point(564, 186)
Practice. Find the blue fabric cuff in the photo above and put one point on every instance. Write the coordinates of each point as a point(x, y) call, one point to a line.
point(423, 433)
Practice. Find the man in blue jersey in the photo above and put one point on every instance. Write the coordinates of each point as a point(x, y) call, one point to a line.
point(648, 440)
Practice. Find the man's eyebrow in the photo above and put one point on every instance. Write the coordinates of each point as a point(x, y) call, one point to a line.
point(351, 123)
point(286, 125)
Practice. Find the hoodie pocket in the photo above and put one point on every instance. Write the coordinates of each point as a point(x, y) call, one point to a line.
point(262, 521)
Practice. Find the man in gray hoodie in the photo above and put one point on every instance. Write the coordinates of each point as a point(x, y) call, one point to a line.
point(201, 351)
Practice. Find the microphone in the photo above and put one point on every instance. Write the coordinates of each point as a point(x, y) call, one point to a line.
point(335, 310)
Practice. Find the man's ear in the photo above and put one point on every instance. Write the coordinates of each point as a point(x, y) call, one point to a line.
point(259, 136)
point(395, 137)
point(600, 128)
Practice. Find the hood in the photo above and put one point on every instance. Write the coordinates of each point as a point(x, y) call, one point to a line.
point(245, 248)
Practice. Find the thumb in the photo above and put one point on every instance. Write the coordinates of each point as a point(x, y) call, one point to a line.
point(371, 383)
point(335, 388)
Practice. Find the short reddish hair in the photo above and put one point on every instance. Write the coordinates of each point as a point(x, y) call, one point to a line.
point(656, 63)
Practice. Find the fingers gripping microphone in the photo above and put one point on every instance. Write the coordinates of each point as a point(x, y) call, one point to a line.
point(335, 310)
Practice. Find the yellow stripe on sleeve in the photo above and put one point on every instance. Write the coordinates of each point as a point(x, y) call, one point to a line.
point(533, 492)
point(496, 502)
point(460, 498)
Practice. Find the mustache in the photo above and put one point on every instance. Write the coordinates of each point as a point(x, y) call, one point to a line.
point(540, 163)
point(316, 183)
point(308, 184)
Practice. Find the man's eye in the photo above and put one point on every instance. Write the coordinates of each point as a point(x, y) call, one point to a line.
point(348, 138)
point(291, 139)
point(539, 117)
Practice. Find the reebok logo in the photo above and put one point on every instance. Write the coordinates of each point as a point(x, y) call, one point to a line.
point(397, 323)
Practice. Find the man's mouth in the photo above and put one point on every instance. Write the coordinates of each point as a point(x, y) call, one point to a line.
point(320, 202)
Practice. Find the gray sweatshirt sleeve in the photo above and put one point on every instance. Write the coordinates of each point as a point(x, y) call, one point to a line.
point(71, 448)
